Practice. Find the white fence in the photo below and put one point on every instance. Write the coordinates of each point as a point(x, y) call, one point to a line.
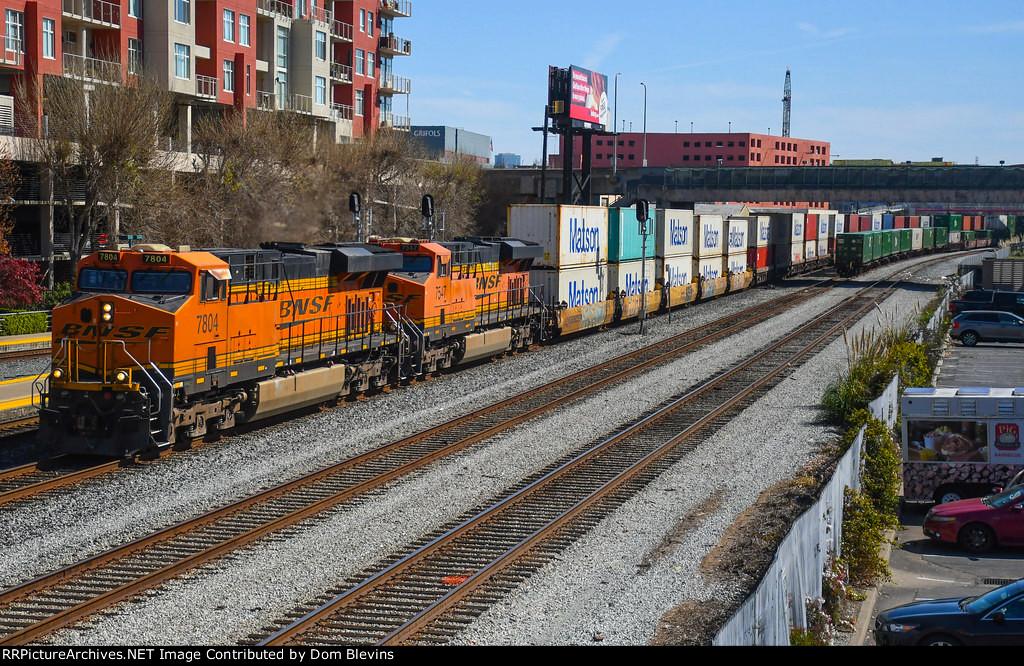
point(777, 604)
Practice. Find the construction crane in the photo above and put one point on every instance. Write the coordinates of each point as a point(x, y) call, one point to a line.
point(787, 101)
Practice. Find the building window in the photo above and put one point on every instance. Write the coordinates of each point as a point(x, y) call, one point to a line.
point(248, 80)
point(229, 25)
point(183, 11)
point(776, 145)
point(134, 56)
point(369, 24)
point(707, 144)
point(49, 40)
point(370, 64)
point(135, 8)
point(686, 158)
point(632, 143)
point(707, 158)
point(359, 61)
point(686, 144)
point(321, 45)
point(229, 76)
point(718, 144)
point(362, 20)
point(599, 142)
point(599, 156)
point(321, 90)
point(282, 47)
point(243, 30)
point(358, 106)
point(632, 156)
point(14, 37)
point(730, 144)
point(742, 157)
point(620, 156)
point(742, 144)
point(182, 61)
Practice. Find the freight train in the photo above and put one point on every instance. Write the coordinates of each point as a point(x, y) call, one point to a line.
point(157, 346)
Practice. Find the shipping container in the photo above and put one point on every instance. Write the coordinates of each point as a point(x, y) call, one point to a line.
point(574, 286)
point(941, 237)
point(916, 239)
point(709, 241)
point(810, 250)
point(888, 221)
point(674, 271)
point(824, 250)
point(811, 227)
point(625, 243)
point(876, 222)
point(948, 222)
point(571, 235)
point(757, 258)
point(955, 237)
point(736, 263)
point(628, 278)
point(900, 222)
point(915, 221)
point(674, 233)
point(736, 242)
point(906, 240)
point(888, 245)
point(709, 269)
point(759, 231)
point(928, 237)
point(926, 221)
point(826, 226)
point(853, 251)
point(840, 225)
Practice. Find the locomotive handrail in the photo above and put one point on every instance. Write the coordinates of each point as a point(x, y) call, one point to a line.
point(43, 386)
point(160, 394)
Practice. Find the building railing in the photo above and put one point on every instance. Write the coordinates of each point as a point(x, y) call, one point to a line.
point(266, 100)
point(396, 84)
point(281, 7)
point(321, 15)
point(395, 45)
point(396, 7)
point(341, 31)
point(206, 86)
point(341, 112)
point(395, 121)
point(341, 72)
point(301, 103)
point(12, 53)
point(93, 69)
point(100, 11)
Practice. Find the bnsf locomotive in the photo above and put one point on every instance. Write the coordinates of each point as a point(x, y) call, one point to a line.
point(158, 345)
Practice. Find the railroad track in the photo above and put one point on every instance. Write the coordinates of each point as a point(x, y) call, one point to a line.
point(24, 354)
point(47, 603)
point(427, 595)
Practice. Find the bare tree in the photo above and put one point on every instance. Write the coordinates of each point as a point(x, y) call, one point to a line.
point(457, 191)
point(95, 143)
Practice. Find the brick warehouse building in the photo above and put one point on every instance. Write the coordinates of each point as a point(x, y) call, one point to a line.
point(328, 60)
point(703, 150)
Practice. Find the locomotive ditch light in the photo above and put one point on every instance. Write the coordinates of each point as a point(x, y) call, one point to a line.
point(107, 311)
point(57, 373)
point(121, 376)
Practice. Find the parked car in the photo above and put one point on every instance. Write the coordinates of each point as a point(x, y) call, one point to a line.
point(979, 523)
point(994, 618)
point(973, 327)
point(988, 299)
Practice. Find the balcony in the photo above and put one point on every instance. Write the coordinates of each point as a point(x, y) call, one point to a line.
point(341, 112)
point(301, 104)
point(394, 85)
point(396, 8)
point(12, 54)
point(93, 12)
point(206, 86)
point(341, 32)
point(391, 45)
point(321, 15)
point(395, 121)
point(273, 8)
point(341, 73)
point(266, 101)
point(91, 69)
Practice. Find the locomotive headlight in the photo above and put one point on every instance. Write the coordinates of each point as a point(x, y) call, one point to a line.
point(121, 376)
point(57, 374)
point(107, 311)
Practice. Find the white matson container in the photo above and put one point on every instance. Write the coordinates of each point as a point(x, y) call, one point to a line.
point(626, 277)
point(571, 235)
point(674, 271)
point(759, 231)
point(736, 263)
point(674, 233)
point(572, 286)
point(810, 249)
point(709, 269)
point(709, 240)
point(736, 239)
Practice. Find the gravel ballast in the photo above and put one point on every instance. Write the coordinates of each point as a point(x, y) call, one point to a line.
point(597, 589)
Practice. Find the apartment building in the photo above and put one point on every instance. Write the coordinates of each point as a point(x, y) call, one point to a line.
point(330, 60)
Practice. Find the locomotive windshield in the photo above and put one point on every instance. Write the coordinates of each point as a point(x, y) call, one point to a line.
point(102, 279)
point(417, 264)
point(162, 282)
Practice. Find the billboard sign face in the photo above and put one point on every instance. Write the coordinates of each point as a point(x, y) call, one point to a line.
point(588, 98)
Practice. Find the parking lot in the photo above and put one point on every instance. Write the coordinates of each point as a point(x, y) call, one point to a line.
point(921, 568)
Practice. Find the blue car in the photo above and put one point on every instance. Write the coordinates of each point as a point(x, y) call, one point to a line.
point(994, 618)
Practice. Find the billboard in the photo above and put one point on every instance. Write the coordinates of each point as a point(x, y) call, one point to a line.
point(588, 97)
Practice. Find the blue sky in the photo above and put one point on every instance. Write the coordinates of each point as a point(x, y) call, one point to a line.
point(903, 80)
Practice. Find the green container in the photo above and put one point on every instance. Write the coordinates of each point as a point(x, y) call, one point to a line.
point(854, 249)
point(906, 239)
point(941, 237)
point(1011, 224)
point(928, 238)
point(888, 242)
point(948, 222)
point(624, 240)
point(967, 235)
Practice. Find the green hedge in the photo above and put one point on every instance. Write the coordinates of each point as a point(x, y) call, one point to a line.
point(23, 324)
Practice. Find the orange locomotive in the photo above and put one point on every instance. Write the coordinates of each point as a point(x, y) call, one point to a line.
point(156, 345)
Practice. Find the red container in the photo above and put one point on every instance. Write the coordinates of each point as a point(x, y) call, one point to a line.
point(915, 221)
point(757, 258)
point(811, 226)
point(900, 222)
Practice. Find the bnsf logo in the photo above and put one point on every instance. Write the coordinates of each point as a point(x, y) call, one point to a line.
point(303, 306)
point(582, 238)
point(677, 232)
point(711, 236)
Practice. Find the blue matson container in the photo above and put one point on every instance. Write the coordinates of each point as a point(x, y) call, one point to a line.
point(624, 240)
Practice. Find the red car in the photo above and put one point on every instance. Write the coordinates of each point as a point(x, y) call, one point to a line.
point(979, 524)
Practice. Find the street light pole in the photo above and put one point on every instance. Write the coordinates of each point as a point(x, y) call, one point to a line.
point(615, 126)
point(645, 122)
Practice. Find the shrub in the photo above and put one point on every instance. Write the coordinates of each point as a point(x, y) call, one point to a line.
point(23, 324)
point(863, 536)
point(54, 297)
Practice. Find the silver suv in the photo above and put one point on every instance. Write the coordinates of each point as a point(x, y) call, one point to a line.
point(987, 326)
